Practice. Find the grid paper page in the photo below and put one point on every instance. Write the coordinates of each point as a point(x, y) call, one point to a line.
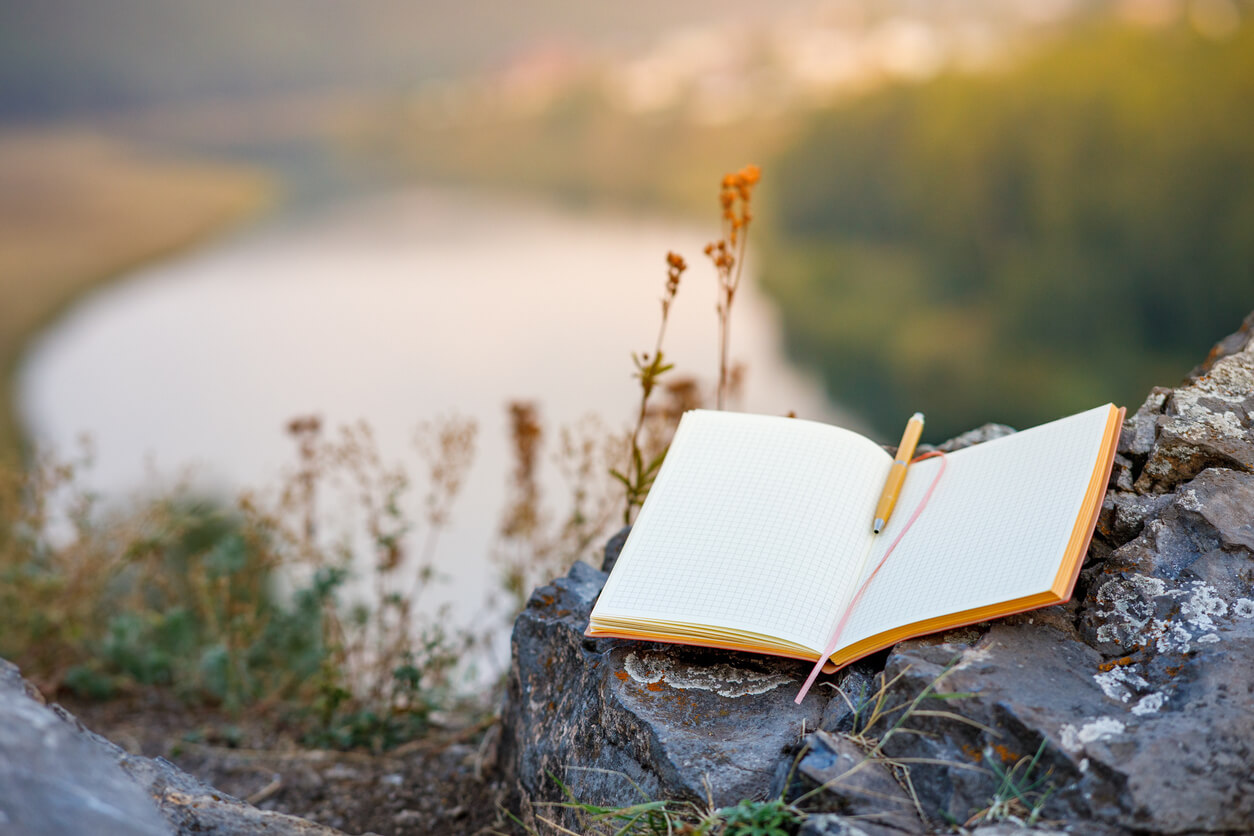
point(755, 523)
point(996, 528)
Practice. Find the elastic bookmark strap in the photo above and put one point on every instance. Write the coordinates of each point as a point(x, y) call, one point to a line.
point(844, 618)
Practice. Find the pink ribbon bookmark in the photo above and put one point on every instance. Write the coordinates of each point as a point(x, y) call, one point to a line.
point(844, 618)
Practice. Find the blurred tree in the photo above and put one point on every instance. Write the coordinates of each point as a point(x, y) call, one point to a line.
point(1019, 244)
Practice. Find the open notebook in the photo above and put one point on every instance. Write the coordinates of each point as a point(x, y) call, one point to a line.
point(757, 532)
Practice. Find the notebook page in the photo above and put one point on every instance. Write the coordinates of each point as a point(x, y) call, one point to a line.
point(996, 528)
point(755, 523)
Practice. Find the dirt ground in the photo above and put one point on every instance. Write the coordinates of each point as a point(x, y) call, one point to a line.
point(431, 786)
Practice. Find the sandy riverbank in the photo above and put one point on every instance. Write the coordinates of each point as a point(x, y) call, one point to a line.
point(79, 209)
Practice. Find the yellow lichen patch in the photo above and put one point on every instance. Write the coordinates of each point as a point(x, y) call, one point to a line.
point(1115, 663)
point(1005, 754)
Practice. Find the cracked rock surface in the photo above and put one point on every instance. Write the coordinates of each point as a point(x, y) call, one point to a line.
point(1138, 694)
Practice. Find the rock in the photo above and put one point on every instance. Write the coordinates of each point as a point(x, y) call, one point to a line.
point(851, 691)
point(1212, 512)
point(54, 781)
point(56, 777)
point(1124, 514)
point(613, 548)
point(622, 722)
point(1234, 343)
point(1203, 424)
point(1140, 429)
point(976, 436)
point(839, 776)
point(979, 435)
point(832, 824)
point(1021, 683)
point(194, 807)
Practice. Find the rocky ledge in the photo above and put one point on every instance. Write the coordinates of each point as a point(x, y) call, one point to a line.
point(1128, 710)
point(58, 778)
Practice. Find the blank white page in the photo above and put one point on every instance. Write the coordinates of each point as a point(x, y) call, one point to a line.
point(755, 523)
point(996, 529)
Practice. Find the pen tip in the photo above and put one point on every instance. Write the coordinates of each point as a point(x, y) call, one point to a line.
point(879, 525)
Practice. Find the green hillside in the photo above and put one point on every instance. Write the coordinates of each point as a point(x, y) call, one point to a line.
point(1018, 245)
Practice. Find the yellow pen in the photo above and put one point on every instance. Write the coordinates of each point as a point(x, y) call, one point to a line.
point(897, 475)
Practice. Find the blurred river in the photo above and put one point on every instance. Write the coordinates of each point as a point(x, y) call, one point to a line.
point(391, 309)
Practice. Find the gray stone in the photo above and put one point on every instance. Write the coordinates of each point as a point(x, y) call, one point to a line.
point(1011, 828)
point(58, 778)
point(1022, 683)
point(1123, 514)
point(979, 435)
point(1240, 340)
point(1212, 512)
point(194, 807)
point(1140, 429)
point(833, 824)
point(1203, 424)
point(855, 685)
point(54, 781)
point(840, 776)
point(1122, 473)
point(618, 722)
point(613, 548)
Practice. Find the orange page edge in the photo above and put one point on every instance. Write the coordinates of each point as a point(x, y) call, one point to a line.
point(1060, 592)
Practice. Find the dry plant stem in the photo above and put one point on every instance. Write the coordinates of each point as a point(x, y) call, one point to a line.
point(449, 451)
point(728, 256)
point(724, 322)
point(524, 549)
point(639, 476)
point(587, 450)
point(647, 389)
point(873, 747)
point(179, 591)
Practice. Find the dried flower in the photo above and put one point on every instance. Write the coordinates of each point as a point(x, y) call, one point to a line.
point(727, 255)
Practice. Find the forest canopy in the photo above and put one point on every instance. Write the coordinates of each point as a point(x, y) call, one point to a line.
point(1017, 245)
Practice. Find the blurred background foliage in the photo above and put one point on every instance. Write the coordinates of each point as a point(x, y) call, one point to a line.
point(1016, 245)
point(995, 211)
point(69, 57)
point(989, 210)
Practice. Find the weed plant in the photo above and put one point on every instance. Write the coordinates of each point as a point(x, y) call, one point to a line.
point(1022, 788)
point(728, 256)
point(650, 437)
point(672, 818)
point(187, 593)
point(262, 604)
point(880, 717)
point(639, 475)
point(537, 544)
point(1021, 793)
point(387, 665)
